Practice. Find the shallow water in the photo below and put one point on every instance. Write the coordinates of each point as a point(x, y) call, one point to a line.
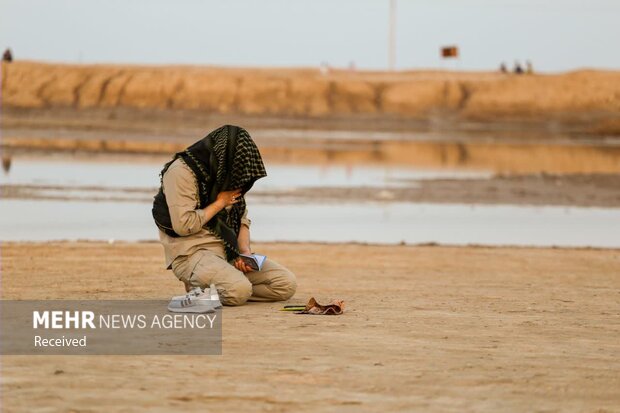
point(63, 172)
point(389, 222)
point(372, 222)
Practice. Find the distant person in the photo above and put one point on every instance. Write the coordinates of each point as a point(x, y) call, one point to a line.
point(503, 68)
point(203, 223)
point(518, 69)
point(529, 69)
point(7, 56)
point(6, 163)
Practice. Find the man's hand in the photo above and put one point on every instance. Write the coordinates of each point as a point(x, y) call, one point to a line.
point(242, 266)
point(227, 198)
point(223, 200)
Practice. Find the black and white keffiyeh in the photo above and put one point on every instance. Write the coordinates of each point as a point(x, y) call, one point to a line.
point(225, 160)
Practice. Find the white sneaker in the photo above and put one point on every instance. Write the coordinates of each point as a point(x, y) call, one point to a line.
point(189, 304)
point(205, 297)
point(194, 292)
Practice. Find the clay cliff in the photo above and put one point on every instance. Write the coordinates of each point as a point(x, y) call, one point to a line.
point(587, 98)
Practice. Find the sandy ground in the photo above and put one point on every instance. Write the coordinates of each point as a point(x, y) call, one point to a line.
point(426, 329)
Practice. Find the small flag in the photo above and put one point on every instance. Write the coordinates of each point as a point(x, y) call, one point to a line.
point(449, 51)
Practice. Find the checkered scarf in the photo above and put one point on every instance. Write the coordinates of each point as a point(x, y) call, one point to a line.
point(225, 160)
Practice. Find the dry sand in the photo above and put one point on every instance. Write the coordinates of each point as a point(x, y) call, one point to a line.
point(426, 329)
point(587, 99)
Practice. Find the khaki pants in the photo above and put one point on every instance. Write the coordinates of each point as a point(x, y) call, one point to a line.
point(204, 267)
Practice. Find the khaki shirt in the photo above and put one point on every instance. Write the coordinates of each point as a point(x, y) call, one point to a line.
point(181, 190)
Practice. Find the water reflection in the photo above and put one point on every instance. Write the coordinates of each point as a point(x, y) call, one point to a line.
point(381, 164)
point(524, 157)
point(495, 156)
point(122, 175)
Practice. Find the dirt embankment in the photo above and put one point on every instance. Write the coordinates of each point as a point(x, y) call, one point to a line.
point(588, 100)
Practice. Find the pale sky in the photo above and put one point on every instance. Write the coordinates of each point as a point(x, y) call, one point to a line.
point(556, 35)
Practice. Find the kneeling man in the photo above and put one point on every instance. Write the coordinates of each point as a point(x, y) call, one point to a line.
point(203, 222)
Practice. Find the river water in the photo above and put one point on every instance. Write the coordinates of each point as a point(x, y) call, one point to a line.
point(371, 222)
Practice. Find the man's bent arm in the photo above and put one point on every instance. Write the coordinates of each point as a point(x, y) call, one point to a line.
point(180, 190)
point(243, 239)
point(212, 209)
